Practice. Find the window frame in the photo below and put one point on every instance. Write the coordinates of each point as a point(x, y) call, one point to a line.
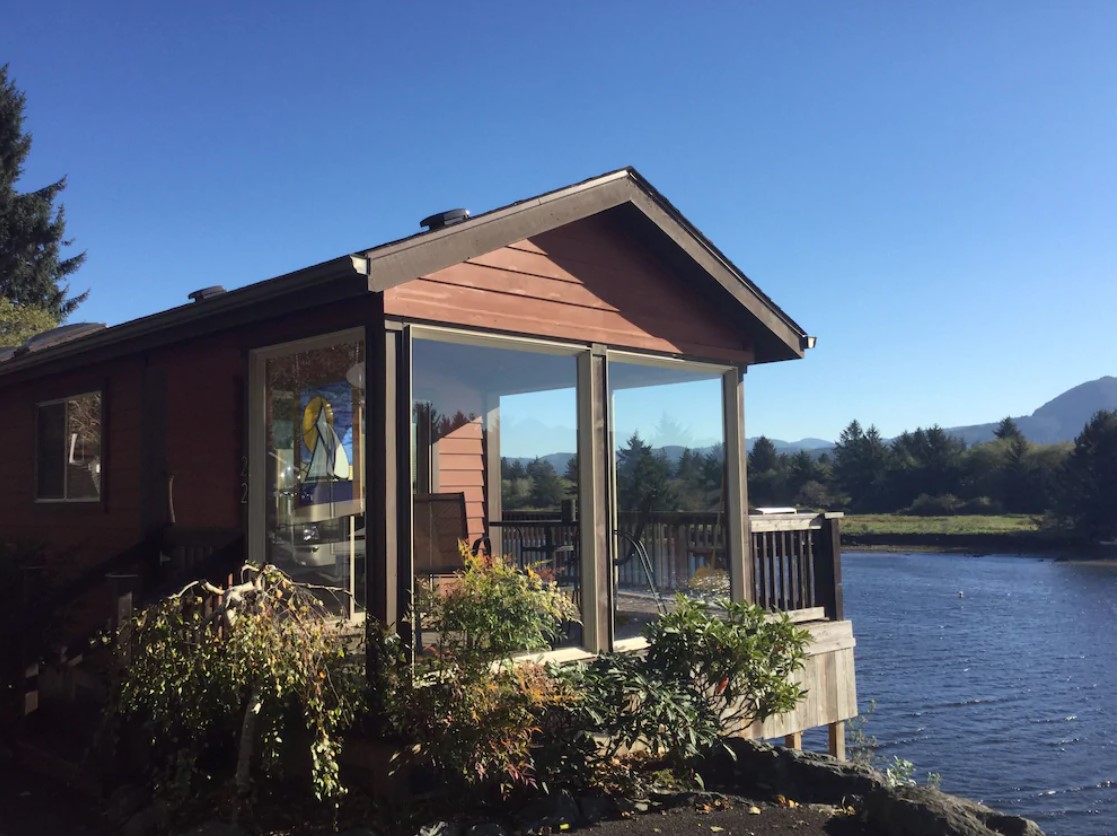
point(256, 539)
point(65, 499)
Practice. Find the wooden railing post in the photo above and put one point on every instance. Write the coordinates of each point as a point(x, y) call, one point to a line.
point(829, 568)
point(123, 588)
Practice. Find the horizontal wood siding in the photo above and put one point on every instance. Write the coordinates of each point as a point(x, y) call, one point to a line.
point(588, 281)
point(75, 535)
point(204, 440)
point(461, 468)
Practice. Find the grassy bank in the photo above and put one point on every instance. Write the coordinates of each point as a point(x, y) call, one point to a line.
point(1012, 533)
point(885, 524)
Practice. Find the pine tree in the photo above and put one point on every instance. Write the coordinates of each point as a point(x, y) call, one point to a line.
point(1008, 429)
point(1089, 484)
point(32, 230)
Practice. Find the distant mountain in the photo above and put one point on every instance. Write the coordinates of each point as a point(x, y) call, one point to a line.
point(1060, 419)
point(809, 444)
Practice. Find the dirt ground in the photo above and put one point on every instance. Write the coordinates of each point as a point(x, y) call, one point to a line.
point(33, 806)
point(735, 821)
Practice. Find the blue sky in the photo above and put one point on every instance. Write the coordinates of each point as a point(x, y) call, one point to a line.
point(931, 190)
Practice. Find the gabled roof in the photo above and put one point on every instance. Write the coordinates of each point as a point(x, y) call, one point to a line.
point(776, 335)
point(624, 192)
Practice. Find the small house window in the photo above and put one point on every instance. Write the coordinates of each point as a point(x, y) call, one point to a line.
point(68, 449)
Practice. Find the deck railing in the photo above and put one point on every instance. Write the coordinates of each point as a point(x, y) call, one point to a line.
point(795, 558)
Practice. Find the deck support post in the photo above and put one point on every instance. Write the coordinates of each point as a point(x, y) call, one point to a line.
point(794, 740)
point(829, 568)
point(838, 740)
point(594, 502)
point(737, 494)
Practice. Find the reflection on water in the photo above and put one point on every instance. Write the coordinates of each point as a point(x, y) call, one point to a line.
point(999, 673)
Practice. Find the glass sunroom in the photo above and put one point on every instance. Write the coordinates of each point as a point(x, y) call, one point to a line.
point(559, 383)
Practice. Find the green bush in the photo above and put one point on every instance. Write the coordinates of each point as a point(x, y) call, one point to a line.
point(268, 664)
point(739, 658)
point(473, 712)
point(709, 672)
point(935, 506)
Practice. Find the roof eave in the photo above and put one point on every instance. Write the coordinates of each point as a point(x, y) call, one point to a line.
point(337, 278)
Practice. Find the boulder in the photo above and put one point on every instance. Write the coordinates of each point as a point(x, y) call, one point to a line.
point(440, 828)
point(153, 819)
point(594, 808)
point(125, 801)
point(486, 829)
point(215, 828)
point(925, 811)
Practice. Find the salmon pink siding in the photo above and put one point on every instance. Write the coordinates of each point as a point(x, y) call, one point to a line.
point(461, 468)
point(585, 281)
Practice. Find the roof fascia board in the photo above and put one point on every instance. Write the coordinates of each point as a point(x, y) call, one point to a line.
point(335, 279)
point(724, 273)
point(395, 264)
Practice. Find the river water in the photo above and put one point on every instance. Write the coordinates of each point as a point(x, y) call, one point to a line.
point(999, 673)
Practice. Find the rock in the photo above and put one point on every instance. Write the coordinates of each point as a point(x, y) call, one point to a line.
point(215, 828)
point(594, 808)
point(125, 801)
point(487, 829)
point(153, 819)
point(358, 831)
point(806, 776)
point(440, 828)
point(551, 812)
point(925, 811)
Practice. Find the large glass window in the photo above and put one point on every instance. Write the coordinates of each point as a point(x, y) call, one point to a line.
point(667, 435)
point(494, 438)
point(314, 414)
point(68, 449)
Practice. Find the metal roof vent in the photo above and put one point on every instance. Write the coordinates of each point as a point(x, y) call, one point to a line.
point(206, 293)
point(441, 219)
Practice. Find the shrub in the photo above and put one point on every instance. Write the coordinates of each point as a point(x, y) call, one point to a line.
point(266, 661)
point(935, 506)
point(708, 673)
point(737, 657)
point(473, 713)
point(492, 610)
point(980, 505)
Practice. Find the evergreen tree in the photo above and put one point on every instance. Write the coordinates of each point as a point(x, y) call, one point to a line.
point(763, 455)
point(643, 478)
point(1089, 497)
point(547, 490)
point(861, 463)
point(1007, 430)
point(32, 230)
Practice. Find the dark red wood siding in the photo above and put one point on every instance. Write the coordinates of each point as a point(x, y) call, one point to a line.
point(587, 281)
point(203, 443)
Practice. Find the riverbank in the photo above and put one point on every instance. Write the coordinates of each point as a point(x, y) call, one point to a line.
point(965, 534)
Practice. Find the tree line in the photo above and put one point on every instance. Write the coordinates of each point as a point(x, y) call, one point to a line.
point(931, 472)
point(648, 480)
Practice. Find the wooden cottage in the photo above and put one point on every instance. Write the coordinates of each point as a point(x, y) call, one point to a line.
point(560, 380)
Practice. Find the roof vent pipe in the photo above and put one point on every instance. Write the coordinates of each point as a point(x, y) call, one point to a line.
point(206, 293)
point(442, 219)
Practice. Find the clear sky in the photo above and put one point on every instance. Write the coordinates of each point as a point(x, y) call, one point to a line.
point(930, 189)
